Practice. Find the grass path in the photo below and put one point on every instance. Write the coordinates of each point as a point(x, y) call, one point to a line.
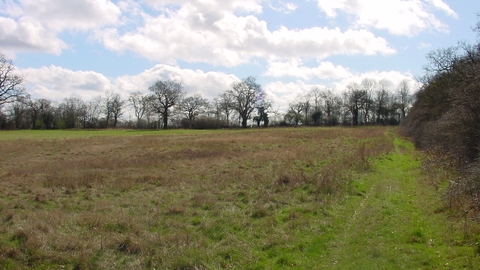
point(393, 222)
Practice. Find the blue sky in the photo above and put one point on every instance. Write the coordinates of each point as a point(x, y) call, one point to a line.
point(85, 48)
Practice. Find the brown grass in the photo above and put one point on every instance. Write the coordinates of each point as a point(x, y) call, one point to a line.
point(217, 200)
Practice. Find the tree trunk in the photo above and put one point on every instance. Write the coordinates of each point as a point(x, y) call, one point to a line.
point(244, 122)
point(165, 119)
point(355, 117)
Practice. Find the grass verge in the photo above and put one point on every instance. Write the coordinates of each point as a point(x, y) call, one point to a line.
point(396, 222)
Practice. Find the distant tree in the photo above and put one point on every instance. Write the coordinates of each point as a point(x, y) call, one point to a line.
point(112, 105)
point(19, 114)
point(294, 114)
point(47, 113)
point(90, 113)
point(306, 107)
point(141, 104)
point(262, 117)
point(245, 96)
point(355, 101)
point(165, 95)
point(225, 102)
point(382, 100)
point(11, 88)
point(332, 104)
point(403, 98)
point(192, 106)
point(316, 117)
point(34, 109)
point(118, 106)
point(316, 97)
point(69, 111)
point(369, 86)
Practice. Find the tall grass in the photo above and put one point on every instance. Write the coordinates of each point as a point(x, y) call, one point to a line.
point(194, 200)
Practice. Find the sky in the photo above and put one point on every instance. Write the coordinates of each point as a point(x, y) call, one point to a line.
point(84, 48)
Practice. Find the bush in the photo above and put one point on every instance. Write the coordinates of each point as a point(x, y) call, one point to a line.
point(206, 123)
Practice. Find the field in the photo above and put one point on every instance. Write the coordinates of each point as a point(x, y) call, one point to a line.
point(305, 198)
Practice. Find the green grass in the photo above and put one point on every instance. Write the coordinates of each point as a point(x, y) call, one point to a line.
point(304, 198)
point(392, 222)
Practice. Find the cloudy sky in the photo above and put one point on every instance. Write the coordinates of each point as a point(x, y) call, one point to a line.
point(84, 48)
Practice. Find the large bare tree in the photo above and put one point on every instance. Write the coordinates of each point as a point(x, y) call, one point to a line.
point(245, 96)
point(165, 95)
point(11, 88)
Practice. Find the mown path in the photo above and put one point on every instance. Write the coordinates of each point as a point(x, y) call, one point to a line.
point(394, 222)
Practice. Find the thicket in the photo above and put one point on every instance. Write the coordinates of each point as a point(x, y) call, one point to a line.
point(445, 117)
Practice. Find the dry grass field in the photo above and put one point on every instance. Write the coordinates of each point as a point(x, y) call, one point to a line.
point(256, 198)
point(198, 199)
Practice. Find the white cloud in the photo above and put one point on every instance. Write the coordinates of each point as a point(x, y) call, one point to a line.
point(424, 45)
point(284, 7)
point(34, 25)
point(194, 33)
point(247, 6)
point(10, 8)
point(27, 35)
point(395, 77)
point(59, 15)
point(283, 93)
point(208, 84)
point(295, 68)
point(399, 17)
point(56, 83)
point(444, 7)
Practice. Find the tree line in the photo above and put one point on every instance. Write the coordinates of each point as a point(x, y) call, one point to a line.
point(166, 104)
point(445, 117)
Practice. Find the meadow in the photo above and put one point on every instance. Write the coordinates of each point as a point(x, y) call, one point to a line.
point(305, 198)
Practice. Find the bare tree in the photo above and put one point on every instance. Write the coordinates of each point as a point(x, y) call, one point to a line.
point(332, 104)
point(141, 105)
point(19, 112)
point(34, 109)
point(294, 114)
point(112, 105)
point(355, 100)
point(369, 86)
point(165, 95)
point(118, 106)
point(225, 105)
point(403, 98)
point(69, 111)
point(306, 105)
point(382, 100)
point(316, 96)
point(10, 83)
point(192, 106)
point(90, 113)
point(245, 96)
point(47, 114)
